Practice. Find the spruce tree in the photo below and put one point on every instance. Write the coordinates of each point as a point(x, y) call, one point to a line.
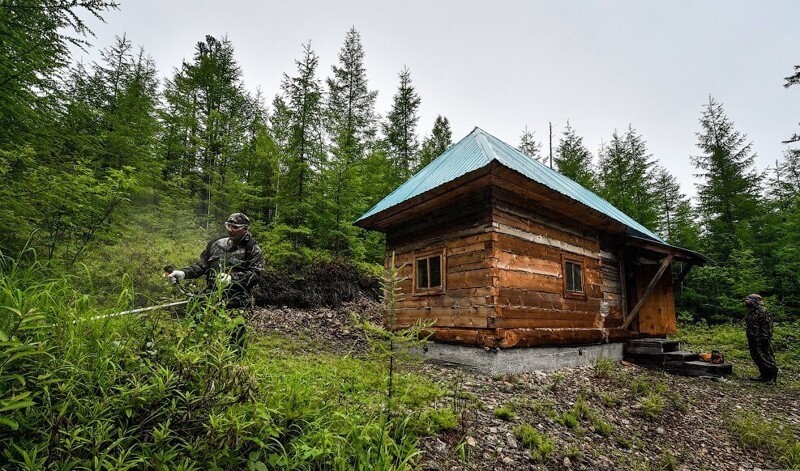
point(437, 143)
point(400, 130)
point(778, 235)
point(675, 215)
point(727, 197)
point(626, 179)
point(574, 160)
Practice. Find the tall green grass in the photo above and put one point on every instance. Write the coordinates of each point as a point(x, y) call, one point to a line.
point(162, 391)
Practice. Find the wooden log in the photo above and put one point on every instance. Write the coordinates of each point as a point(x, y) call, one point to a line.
point(470, 337)
point(542, 323)
point(527, 225)
point(548, 337)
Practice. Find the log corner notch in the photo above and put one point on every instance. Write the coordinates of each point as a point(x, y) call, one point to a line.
point(635, 311)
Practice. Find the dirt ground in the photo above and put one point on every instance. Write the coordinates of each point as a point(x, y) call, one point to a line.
point(621, 422)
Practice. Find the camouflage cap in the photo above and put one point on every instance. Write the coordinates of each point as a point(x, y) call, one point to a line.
point(753, 297)
point(238, 218)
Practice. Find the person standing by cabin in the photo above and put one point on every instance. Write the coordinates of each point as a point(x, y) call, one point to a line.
point(234, 263)
point(758, 323)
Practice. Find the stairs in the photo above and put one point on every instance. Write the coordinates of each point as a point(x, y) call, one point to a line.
point(666, 354)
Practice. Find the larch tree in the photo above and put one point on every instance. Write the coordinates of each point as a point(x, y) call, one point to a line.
point(793, 80)
point(728, 194)
point(530, 147)
point(400, 130)
point(574, 160)
point(207, 117)
point(298, 127)
point(437, 143)
point(351, 123)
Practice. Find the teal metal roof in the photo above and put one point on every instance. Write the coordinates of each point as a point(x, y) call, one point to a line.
point(477, 150)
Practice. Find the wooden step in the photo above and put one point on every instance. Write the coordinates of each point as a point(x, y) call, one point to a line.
point(652, 346)
point(700, 368)
point(679, 357)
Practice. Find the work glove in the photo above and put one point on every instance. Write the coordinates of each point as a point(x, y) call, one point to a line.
point(175, 276)
point(223, 279)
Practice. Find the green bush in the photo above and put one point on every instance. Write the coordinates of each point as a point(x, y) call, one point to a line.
point(601, 427)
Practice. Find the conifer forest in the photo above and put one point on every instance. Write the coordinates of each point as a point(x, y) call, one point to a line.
point(111, 169)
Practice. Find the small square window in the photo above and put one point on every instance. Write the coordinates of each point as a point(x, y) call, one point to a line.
point(574, 273)
point(429, 274)
point(573, 277)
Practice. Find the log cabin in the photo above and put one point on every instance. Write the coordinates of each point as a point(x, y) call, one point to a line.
point(497, 250)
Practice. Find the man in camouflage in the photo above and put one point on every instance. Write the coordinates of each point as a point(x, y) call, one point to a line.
point(234, 262)
point(758, 322)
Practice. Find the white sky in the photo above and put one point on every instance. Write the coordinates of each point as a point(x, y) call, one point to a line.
point(503, 65)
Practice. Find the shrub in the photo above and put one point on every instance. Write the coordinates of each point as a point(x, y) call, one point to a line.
point(568, 419)
point(601, 427)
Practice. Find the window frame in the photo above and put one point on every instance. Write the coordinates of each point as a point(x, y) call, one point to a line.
point(442, 288)
point(575, 260)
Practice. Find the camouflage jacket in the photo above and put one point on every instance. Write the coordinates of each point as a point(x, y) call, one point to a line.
point(758, 321)
point(244, 261)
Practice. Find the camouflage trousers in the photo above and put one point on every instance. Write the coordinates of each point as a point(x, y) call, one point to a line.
point(761, 353)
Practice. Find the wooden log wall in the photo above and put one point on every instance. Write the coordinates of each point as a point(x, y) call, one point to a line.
point(464, 313)
point(612, 266)
point(503, 274)
point(532, 306)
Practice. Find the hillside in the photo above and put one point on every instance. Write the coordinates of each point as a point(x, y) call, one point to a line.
point(609, 416)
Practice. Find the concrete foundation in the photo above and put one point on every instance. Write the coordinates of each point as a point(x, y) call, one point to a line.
point(519, 360)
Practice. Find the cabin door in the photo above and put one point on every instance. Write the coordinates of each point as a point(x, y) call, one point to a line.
point(657, 314)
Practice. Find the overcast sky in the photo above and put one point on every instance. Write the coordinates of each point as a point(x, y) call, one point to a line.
point(505, 65)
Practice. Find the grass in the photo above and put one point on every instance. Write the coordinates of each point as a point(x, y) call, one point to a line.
point(163, 392)
point(504, 412)
point(757, 432)
point(604, 367)
point(540, 445)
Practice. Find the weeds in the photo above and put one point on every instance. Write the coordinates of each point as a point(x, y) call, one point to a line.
point(539, 445)
point(155, 392)
point(604, 367)
point(504, 412)
point(777, 439)
point(651, 406)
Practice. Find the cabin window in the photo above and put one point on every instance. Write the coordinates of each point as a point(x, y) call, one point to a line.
point(428, 273)
point(573, 277)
